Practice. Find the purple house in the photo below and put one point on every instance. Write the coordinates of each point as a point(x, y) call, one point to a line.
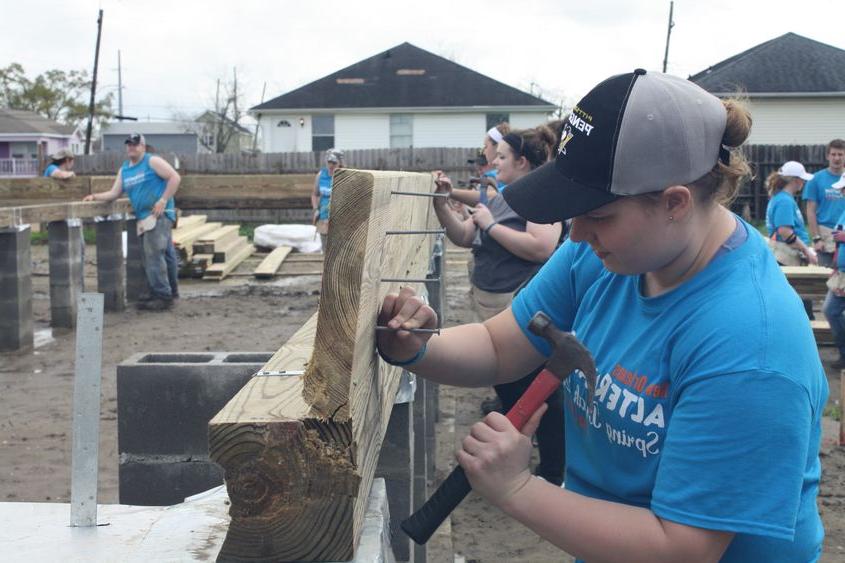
point(26, 139)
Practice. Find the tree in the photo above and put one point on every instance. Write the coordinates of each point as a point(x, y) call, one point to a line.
point(56, 94)
point(227, 115)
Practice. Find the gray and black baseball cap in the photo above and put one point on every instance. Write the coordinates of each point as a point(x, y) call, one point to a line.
point(135, 139)
point(632, 134)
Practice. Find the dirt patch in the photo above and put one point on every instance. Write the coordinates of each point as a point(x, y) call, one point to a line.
point(36, 388)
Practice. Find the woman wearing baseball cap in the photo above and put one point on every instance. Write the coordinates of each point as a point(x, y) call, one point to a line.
point(321, 196)
point(701, 441)
point(788, 235)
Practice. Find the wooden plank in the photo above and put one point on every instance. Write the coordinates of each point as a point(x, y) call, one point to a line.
point(270, 265)
point(299, 465)
point(211, 242)
point(810, 282)
point(822, 333)
point(37, 190)
point(190, 221)
point(28, 214)
point(220, 271)
point(229, 249)
point(806, 272)
point(188, 236)
point(199, 264)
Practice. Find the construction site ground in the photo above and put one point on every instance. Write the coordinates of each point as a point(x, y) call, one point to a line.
point(242, 315)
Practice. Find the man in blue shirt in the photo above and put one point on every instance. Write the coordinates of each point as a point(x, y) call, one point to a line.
point(150, 183)
point(826, 204)
point(61, 165)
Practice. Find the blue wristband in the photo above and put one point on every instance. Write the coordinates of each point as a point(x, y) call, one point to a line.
point(417, 357)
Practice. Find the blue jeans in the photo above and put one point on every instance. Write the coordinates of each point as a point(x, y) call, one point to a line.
point(172, 260)
point(833, 310)
point(156, 245)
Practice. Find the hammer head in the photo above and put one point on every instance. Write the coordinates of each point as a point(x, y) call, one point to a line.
point(568, 354)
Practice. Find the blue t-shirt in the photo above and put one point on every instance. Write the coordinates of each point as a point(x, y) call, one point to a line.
point(782, 211)
point(840, 246)
point(49, 171)
point(709, 397)
point(325, 187)
point(144, 188)
point(830, 201)
point(493, 174)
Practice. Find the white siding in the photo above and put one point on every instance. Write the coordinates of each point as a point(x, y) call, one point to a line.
point(295, 138)
point(361, 131)
point(526, 120)
point(449, 129)
point(797, 121)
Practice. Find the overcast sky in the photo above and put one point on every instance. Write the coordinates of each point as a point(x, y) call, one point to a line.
point(173, 51)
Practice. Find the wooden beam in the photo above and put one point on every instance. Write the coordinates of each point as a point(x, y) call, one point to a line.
point(190, 221)
point(39, 190)
point(211, 242)
point(270, 265)
point(299, 454)
point(48, 212)
point(220, 271)
point(228, 249)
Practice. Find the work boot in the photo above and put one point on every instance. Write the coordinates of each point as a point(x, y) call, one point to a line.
point(155, 304)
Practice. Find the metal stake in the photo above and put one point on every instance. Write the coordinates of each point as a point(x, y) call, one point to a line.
point(86, 410)
point(270, 373)
point(411, 280)
point(418, 232)
point(418, 194)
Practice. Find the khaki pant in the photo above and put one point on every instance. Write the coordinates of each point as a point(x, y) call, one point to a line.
point(827, 239)
point(836, 283)
point(486, 305)
point(785, 254)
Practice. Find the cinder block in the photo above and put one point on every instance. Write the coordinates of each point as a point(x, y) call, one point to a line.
point(15, 290)
point(136, 281)
point(165, 401)
point(396, 466)
point(166, 480)
point(65, 249)
point(111, 271)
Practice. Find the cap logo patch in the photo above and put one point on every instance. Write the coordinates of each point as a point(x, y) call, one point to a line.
point(579, 120)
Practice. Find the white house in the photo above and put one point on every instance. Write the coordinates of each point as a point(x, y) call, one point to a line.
point(796, 89)
point(403, 97)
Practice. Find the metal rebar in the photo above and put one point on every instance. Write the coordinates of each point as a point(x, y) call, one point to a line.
point(418, 232)
point(418, 194)
point(271, 373)
point(419, 330)
point(411, 280)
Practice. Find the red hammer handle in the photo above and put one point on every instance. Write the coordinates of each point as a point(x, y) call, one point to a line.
point(540, 389)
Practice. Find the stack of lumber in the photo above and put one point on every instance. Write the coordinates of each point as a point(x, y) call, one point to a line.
point(209, 250)
point(808, 281)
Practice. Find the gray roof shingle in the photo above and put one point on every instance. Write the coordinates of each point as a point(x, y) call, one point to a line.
point(15, 121)
point(789, 64)
point(403, 76)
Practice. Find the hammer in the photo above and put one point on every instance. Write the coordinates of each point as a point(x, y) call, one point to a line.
point(568, 355)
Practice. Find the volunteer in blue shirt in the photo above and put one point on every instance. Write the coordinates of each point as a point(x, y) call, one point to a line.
point(826, 204)
point(834, 302)
point(61, 165)
point(321, 196)
point(491, 184)
point(788, 238)
point(150, 183)
point(701, 442)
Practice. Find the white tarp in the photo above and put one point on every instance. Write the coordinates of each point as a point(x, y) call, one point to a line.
point(303, 238)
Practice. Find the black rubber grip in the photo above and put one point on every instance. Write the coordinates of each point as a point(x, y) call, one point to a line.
point(424, 522)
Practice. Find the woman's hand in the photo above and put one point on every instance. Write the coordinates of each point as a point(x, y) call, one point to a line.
point(89, 197)
point(838, 236)
point(495, 456)
point(482, 216)
point(443, 183)
point(404, 310)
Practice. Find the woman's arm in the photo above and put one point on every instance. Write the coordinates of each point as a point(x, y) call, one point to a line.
point(460, 231)
point(467, 197)
point(315, 195)
point(785, 232)
point(536, 244)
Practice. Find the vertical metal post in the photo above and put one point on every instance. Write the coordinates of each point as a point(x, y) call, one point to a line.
point(86, 410)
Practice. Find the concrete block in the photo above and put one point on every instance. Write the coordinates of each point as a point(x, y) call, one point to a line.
point(111, 271)
point(136, 281)
point(164, 401)
point(66, 275)
point(165, 480)
point(16, 333)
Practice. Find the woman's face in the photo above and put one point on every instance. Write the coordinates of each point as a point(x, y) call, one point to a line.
point(509, 168)
point(332, 166)
point(629, 236)
point(489, 149)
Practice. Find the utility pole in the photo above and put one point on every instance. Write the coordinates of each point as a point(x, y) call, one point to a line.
point(119, 89)
point(258, 121)
point(93, 85)
point(668, 35)
point(218, 127)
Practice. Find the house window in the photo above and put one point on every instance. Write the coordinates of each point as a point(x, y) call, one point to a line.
point(494, 119)
point(322, 132)
point(24, 150)
point(401, 130)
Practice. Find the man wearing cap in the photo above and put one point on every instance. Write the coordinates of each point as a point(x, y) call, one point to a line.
point(698, 439)
point(150, 183)
point(825, 204)
point(61, 165)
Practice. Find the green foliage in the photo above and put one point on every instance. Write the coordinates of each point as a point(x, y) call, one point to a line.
point(55, 94)
point(833, 411)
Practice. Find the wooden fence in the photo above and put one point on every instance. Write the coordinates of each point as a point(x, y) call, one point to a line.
point(751, 201)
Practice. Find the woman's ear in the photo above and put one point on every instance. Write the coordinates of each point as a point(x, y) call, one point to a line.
point(677, 202)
